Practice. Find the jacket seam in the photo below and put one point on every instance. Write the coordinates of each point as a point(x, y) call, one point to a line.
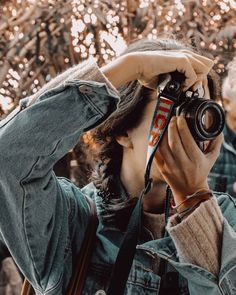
point(24, 223)
point(92, 104)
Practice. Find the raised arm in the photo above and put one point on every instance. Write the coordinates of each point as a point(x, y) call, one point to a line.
point(37, 210)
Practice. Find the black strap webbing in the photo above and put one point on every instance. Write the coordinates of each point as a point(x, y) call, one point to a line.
point(127, 250)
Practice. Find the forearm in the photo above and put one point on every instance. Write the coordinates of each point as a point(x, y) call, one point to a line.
point(122, 70)
point(198, 237)
point(58, 115)
point(87, 71)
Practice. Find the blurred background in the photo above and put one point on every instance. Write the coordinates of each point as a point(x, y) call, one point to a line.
point(39, 39)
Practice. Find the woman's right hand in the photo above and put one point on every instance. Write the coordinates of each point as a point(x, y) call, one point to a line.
point(180, 161)
point(148, 65)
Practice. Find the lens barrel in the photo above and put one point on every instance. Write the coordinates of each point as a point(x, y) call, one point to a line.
point(205, 118)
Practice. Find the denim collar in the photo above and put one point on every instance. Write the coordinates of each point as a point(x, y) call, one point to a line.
point(163, 247)
point(114, 209)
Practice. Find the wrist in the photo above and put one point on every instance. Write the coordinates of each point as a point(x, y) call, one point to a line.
point(192, 200)
point(179, 197)
point(122, 70)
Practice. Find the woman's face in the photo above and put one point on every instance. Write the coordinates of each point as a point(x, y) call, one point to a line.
point(140, 137)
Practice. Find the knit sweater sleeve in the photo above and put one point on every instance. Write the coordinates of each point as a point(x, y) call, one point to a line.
point(198, 237)
point(86, 71)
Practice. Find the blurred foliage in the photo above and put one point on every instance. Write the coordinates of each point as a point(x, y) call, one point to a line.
point(39, 39)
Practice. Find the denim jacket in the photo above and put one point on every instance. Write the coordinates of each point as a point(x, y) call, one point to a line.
point(44, 218)
point(224, 169)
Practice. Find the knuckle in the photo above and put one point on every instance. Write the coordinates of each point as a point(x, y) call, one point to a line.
point(186, 59)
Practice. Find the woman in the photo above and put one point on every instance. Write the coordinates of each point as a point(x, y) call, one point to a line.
point(44, 219)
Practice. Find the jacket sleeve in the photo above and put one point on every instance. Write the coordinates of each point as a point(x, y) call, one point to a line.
point(230, 189)
point(36, 207)
point(195, 245)
point(202, 229)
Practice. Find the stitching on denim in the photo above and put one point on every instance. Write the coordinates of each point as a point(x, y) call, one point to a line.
point(27, 240)
point(144, 286)
point(23, 213)
point(92, 104)
point(54, 287)
point(230, 267)
point(24, 223)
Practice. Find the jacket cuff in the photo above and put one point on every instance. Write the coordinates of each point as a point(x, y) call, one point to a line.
point(89, 71)
point(198, 237)
point(86, 71)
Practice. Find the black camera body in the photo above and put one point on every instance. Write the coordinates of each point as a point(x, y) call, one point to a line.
point(205, 117)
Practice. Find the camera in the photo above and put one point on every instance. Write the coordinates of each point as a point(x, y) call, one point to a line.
point(205, 117)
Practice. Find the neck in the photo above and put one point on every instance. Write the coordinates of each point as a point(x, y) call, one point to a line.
point(133, 181)
point(154, 201)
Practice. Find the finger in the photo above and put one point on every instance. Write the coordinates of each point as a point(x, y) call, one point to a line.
point(159, 159)
point(190, 146)
point(175, 142)
point(197, 85)
point(207, 61)
point(165, 151)
point(200, 68)
point(206, 89)
point(185, 66)
point(213, 149)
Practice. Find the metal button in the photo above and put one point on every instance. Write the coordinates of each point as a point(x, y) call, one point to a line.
point(85, 89)
point(100, 292)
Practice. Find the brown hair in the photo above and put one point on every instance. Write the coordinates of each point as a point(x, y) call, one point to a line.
point(133, 98)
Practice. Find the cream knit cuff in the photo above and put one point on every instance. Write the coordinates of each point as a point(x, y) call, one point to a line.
point(86, 71)
point(198, 237)
point(89, 71)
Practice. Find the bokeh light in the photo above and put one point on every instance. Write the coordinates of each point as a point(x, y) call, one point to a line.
point(39, 39)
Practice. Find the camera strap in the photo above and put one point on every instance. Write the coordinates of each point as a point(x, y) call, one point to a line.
point(162, 115)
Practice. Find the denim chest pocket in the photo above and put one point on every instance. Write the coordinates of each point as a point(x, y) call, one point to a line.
point(141, 280)
point(229, 282)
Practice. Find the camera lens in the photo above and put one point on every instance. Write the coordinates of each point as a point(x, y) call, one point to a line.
point(205, 118)
point(208, 120)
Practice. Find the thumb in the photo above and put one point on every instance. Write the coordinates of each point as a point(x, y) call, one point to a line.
point(213, 150)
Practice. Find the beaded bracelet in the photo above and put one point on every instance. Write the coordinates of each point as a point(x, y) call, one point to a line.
point(192, 200)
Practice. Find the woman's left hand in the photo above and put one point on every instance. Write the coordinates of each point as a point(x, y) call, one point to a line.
point(181, 162)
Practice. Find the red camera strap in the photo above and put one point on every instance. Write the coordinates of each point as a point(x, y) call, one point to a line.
point(161, 119)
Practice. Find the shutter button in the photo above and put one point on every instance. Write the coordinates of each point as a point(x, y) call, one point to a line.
point(85, 89)
point(100, 292)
